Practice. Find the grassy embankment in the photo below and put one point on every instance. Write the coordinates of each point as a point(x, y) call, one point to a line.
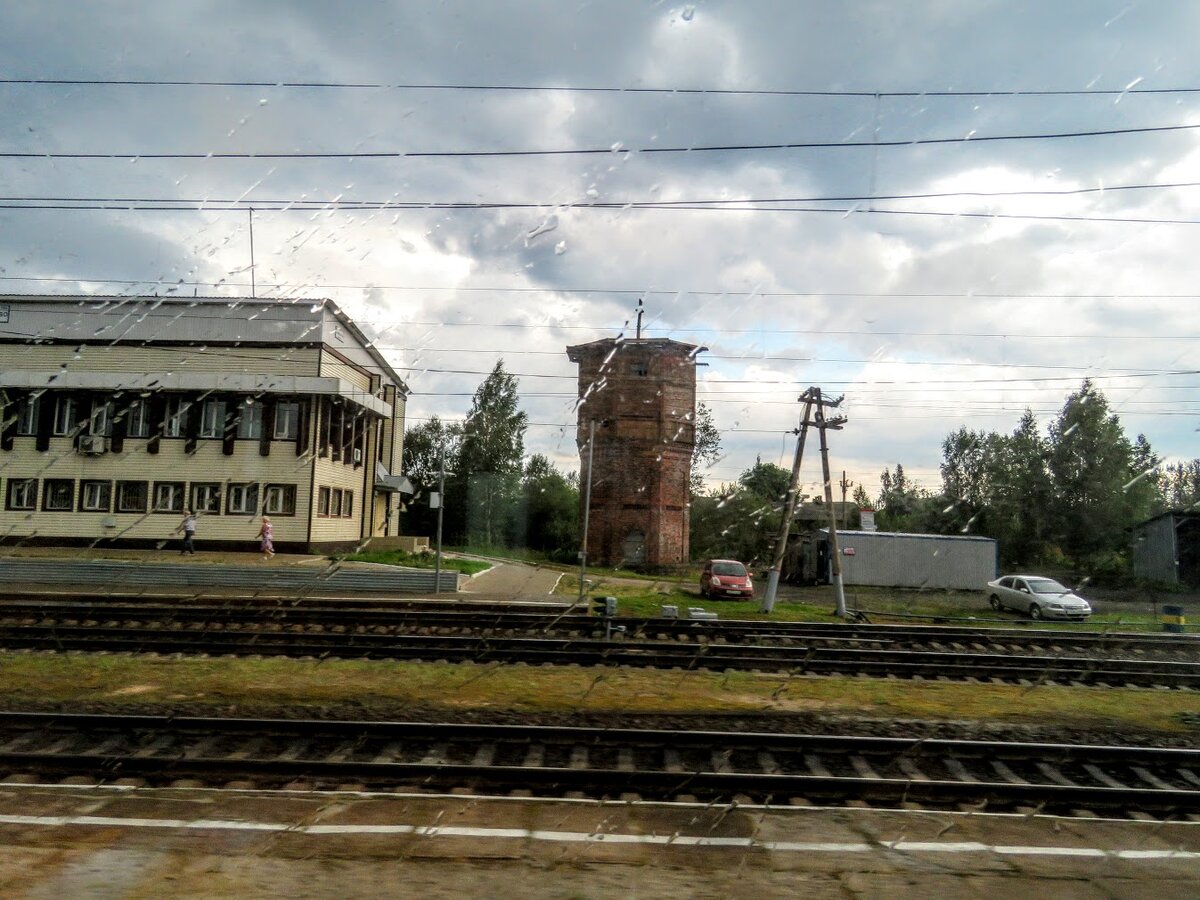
point(254, 687)
point(644, 597)
point(418, 560)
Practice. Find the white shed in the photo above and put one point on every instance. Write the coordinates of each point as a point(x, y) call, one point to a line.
point(892, 559)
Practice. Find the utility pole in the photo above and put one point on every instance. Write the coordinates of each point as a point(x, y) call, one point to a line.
point(437, 560)
point(587, 506)
point(845, 485)
point(253, 277)
point(789, 508)
point(835, 555)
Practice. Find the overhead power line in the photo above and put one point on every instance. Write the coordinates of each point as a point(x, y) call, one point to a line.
point(615, 149)
point(855, 210)
point(264, 204)
point(598, 89)
point(634, 292)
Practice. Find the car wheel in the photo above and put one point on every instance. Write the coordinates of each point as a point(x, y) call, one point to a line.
point(996, 604)
point(1035, 611)
point(704, 592)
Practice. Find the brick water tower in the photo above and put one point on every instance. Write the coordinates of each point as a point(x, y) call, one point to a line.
point(641, 394)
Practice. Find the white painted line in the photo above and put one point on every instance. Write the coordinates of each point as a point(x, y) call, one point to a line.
point(554, 587)
point(581, 837)
point(15, 788)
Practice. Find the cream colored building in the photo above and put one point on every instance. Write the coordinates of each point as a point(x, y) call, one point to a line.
point(119, 413)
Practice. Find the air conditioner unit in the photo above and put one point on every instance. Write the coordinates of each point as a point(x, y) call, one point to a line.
point(357, 456)
point(91, 444)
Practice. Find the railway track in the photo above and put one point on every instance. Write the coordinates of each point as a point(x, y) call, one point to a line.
point(535, 619)
point(602, 763)
point(205, 639)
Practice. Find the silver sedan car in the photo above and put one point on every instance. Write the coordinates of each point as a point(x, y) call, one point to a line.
point(1041, 598)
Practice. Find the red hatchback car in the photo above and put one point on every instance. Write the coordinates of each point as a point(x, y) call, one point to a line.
point(725, 578)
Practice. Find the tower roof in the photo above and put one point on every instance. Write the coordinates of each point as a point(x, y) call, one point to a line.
point(605, 345)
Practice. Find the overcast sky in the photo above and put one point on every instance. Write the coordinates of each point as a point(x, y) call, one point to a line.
point(927, 312)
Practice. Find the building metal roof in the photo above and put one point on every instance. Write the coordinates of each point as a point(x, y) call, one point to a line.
point(115, 319)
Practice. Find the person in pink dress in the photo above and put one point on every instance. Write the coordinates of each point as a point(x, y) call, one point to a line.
point(266, 536)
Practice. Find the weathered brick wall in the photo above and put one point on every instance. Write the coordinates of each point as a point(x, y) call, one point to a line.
point(642, 395)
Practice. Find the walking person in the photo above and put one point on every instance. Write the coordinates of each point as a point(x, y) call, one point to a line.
point(188, 527)
point(266, 536)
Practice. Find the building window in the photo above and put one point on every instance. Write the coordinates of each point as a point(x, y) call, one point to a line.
point(212, 419)
point(287, 421)
point(131, 496)
point(27, 417)
point(206, 498)
point(95, 496)
point(243, 499)
point(22, 493)
point(168, 496)
point(335, 502)
point(100, 423)
point(251, 421)
point(58, 495)
point(639, 369)
point(137, 419)
point(64, 415)
point(280, 500)
point(173, 417)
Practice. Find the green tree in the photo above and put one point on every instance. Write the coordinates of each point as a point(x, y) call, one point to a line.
point(423, 445)
point(1102, 482)
point(900, 502)
point(1179, 485)
point(488, 466)
point(546, 516)
point(740, 520)
point(707, 447)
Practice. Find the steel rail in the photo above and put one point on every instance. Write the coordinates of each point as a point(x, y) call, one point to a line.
point(593, 652)
point(498, 616)
point(763, 767)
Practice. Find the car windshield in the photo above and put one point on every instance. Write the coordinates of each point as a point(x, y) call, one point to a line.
point(1046, 586)
point(729, 568)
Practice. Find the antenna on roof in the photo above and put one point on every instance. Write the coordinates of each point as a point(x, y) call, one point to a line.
point(639, 321)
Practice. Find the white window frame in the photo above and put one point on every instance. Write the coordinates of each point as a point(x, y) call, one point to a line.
point(250, 423)
point(65, 416)
point(206, 498)
point(323, 495)
point(137, 419)
point(242, 499)
point(335, 503)
point(173, 411)
point(95, 496)
point(287, 420)
point(212, 419)
point(22, 493)
point(175, 491)
point(279, 500)
point(27, 417)
point(100, 422)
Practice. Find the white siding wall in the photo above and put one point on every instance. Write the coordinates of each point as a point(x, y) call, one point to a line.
point(303, 361)
point(332, 367)
point(339, 475)
point(207, 464)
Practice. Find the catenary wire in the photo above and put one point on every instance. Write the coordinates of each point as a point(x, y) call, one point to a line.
point(598, 151)
point(603, 89)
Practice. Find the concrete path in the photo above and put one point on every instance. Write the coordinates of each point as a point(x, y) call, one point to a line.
point(61, 841)
point(512, 581)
